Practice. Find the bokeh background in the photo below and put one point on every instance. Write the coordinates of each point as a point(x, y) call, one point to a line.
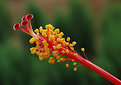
point(94, 24)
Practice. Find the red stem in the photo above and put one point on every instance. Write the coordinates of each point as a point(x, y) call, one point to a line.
point(90, 65)
point(95, 68)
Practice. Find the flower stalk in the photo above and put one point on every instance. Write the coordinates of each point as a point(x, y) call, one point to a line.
point(50, 41)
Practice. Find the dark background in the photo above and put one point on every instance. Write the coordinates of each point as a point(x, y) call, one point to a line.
point(94, 24)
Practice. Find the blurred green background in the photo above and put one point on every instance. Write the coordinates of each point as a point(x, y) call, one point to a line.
point(94, 24)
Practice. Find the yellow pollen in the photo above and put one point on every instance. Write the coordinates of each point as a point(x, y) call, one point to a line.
point(37, 52)
point(75, 69)
point(44, 42)
point(67, 51)
point(36, 30)
point(74, 63)
point(73, 60)
point(51, 61)
point(37, 44)
point(51, 38)
point(48, 26)
point(51, 58)
point(58, 39)
point(41, 30)
point(67, 65)
point(57, 30)
point(44, 34)
point(63, 51)
point(58, 46)
point(33, 52)
point(82, 49)
point(75, 54)
point(40, 58)
point(55, 53)
point(64, 43)
point(58, 61)
point(61, 34)
point(72, 48)
point(31, 49)
point(61, 40)
point(68, 38)
point(32, 40)
point(54, 47)
point(51, 31)
point(73, 43)
point(62, 59)
point(57, 57)
point(67, 43)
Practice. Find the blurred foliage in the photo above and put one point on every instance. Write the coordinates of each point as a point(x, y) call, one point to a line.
point(18, 66)
point(4, 21)
point(39, 18)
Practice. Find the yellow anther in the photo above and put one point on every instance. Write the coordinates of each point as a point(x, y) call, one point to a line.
point(44, 34)
point(55, 53)
point(57, 57)
point(67, 43)
point(58, 46)
point(73, 43)
point(41, 30)
point(64, 43)
point(75, 69)
point(72, 48)
point(82, 49)
point(33, 52)
point(40, 58)
point(38, 33)
point(75, 54)
point(61, 40)
point(61, 34)
point(41, 54)
point(37, 52)
point(48, 26)
point(36, 30)
point(68, 38)
point(51, 58)
point(52, 28)
point(58, 61)
point(67, 65)
point(63, 51)
point(51, 61)
point(54, 47)
point(37, 43)
point(62, 59)
point(74, 63)
point(46, 55)
point(51, 31)
point(51, 38)
point(58, 39)
point(57, 30)
point(44, 42)
point(31, 49)
point(32, 40)
point(67, 51)
point(73, 60)
point(45, 31)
